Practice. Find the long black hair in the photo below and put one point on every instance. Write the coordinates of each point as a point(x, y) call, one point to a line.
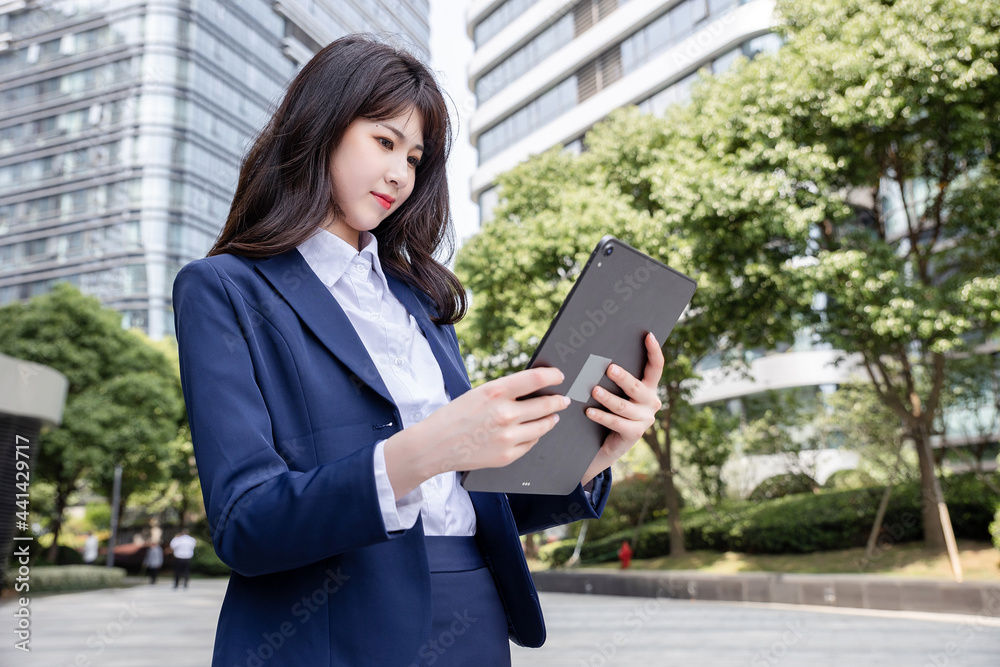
point(284, 190)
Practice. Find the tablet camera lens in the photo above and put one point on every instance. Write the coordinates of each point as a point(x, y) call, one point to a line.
point(609, 250)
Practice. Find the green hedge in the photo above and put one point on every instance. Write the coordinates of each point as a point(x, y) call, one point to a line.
point(70, 578)
point(995, 528)
point(801, 523)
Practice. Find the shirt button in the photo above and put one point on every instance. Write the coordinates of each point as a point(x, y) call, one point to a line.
point(375, 316)
point(359, 268)
point(416, 416)
point(399, 361)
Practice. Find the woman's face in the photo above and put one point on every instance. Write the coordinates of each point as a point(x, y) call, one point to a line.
point(373, 170)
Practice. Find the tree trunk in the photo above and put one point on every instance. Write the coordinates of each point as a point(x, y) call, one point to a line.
point(56, 525)
point(673, 501)
point(929, 493)
point(530, 548)
point(938, 532)
point(665, 459)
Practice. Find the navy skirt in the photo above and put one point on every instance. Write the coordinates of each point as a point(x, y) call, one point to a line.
point(469, 625)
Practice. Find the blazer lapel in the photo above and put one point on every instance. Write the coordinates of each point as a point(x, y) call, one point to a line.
point(291, 276)
point(456, 380)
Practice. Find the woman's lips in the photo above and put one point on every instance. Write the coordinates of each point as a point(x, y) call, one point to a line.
point(386, 204)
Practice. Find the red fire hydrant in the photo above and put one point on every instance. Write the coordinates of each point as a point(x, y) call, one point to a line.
point(625, 554)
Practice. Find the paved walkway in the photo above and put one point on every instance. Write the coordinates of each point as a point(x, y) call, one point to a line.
point(156, 626)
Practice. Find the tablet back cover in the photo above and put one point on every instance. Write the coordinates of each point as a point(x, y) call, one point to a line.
point(618, 297)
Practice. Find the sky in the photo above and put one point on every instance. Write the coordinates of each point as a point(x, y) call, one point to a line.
point(451, 50)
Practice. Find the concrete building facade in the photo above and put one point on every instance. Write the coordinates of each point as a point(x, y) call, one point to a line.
point(123, 126)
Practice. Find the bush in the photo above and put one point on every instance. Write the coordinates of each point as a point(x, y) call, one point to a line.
point(780, 486)
point(844, 480)
point(67, 556)
point(995, 528)
point(801, 523)
point(625, 506)
point(71, 578)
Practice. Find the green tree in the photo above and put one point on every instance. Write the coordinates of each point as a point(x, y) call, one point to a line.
point(858, 420)
point(793, 160)
point(123, 404)
point(969, 419)
point(705, 438)
point(553, 209)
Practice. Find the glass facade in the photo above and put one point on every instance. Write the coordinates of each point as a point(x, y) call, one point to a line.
point(655, 37)
point(499, 19)
point(124, 125)
point(538, 49)
point(549, 105)
point(680, 91)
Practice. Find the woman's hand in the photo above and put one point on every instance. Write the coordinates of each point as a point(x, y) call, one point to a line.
point(627, 419)
point(486, 427)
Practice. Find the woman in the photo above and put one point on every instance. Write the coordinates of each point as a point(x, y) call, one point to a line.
point(329, 405)
point(153, 560)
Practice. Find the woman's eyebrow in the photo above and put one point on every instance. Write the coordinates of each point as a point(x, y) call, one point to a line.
point(400, 136)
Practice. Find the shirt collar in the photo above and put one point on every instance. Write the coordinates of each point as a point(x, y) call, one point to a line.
point(328, 255)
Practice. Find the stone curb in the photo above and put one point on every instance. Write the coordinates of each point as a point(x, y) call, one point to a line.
point(827, 590)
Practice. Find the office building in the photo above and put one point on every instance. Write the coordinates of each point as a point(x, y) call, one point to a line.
point(123, 123)
point(544, 71)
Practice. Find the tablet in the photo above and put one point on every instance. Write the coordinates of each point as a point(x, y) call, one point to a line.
point(620, 295)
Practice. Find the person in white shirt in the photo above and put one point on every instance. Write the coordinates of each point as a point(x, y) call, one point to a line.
point(182, 547)
point(330, 408)
point(90, 548)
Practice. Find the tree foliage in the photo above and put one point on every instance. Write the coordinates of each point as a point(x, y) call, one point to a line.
point(124, 401)
point(847, 182)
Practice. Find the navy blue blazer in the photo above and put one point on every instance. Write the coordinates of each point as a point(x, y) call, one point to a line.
point(285, 407)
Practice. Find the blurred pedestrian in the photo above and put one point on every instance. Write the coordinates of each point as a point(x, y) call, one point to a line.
point(90, 549)
point(182, 547)
point(153, 560)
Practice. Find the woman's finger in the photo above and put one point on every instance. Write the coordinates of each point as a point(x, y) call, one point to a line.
point(505, 412)
point(525, 382)
point(627, 429)
point(617, 404)
point(631, 385)
point(654, 362)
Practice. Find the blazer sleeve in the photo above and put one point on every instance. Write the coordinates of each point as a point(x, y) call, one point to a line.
point(533, 513)
point(264, 517)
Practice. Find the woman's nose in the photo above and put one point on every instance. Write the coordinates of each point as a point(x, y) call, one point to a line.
point(397, 174)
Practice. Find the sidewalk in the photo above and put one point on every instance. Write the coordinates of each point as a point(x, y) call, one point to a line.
point(156, 626)
point(859, 591)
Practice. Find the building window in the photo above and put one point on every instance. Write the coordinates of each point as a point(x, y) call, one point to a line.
point(487, 203)
point(528, 118)
point(135, 318)
point(538, 49)
point(135, 279)
point(499, 19)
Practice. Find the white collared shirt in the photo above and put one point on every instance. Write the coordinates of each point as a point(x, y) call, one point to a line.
point(408, 368)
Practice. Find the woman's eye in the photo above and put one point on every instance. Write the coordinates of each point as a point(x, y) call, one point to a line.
point(414, 162)
point(386, 143)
